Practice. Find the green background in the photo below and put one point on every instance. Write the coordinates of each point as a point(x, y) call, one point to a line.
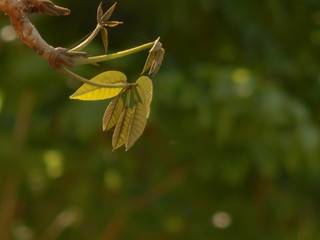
point(231, 149)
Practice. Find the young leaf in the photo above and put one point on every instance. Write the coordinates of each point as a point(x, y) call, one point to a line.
point(145, 90)
point(121, 131)
point(112, 113)
point(104, 35)
point(99, 12)
point(156, 46)
point(156, 64)
point(137, 124)
point(111, 23)
point(155, 58)
point(91, 93)
point(149, 62)
point(108, 13)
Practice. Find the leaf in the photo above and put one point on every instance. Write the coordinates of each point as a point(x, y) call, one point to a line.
point(156, 64)
point(149, 62)
point(156, 46)
point(99, 12)
point(120, 133)
point(154, 58)
point(91, 93)
point(108, 13)
point(111, 23)
point(145, 90)
point(104, 35)
point(112, 113)
point(137, 124)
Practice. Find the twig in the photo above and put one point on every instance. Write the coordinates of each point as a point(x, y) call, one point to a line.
point(107, 57)
point(18, 11)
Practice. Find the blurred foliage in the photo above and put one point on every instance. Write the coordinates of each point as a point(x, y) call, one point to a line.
point(232, 147)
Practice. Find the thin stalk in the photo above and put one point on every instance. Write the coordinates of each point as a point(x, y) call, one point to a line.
point(84, 80)
point(88, 39)
point(134, 95)
point(103, 58)
point(127, 99)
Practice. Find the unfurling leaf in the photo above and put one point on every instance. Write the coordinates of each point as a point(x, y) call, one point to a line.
point(112, 113)
point(145, 90)
point(99, 13)
point(91, 93)
point(121, 131)
point(155, 58)
point(108, 13)
point(111, 23)
point(149, 62)
point(137, 124)
point(156, 64)
point(104, 35)
point(156, 46)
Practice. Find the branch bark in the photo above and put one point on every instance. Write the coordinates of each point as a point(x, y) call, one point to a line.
point(18, 11)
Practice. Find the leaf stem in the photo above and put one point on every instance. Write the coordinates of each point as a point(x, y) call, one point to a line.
point(127, 99)
point(84, 80)
point(107, 57)
point(88, 39)
point(134, 95)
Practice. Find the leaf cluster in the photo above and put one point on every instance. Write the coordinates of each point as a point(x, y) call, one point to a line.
point(128, 117)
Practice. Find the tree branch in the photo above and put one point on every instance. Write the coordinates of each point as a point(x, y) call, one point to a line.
point(18, 11)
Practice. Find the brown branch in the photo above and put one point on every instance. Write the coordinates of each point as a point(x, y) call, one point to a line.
point(18, 11)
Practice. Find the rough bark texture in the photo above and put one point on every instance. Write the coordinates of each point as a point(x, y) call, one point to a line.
point(18, 11)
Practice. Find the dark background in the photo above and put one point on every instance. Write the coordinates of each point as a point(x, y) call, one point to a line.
point(231, 149)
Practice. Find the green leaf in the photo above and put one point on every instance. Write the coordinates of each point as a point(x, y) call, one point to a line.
point(104, 35)
point(121, 131)
point(112, 113)
point(145, 90)
point(137, 124)
point(91, 93)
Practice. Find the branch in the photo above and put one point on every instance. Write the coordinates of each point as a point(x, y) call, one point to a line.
point(18, 11)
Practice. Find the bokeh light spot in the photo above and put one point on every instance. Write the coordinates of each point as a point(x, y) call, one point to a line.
point(22, 232)
point(221, 219)
point(241, 75)
point(54, 163)
point(7, 33)
point(112, 179)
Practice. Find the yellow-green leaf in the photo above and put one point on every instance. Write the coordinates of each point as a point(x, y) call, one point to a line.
point(145, 90)
point(149, 62)
point(104, 35)
point(137, 124)
point(111, 23)
point(120, 133)
point(91, 93)
point(112, 113)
